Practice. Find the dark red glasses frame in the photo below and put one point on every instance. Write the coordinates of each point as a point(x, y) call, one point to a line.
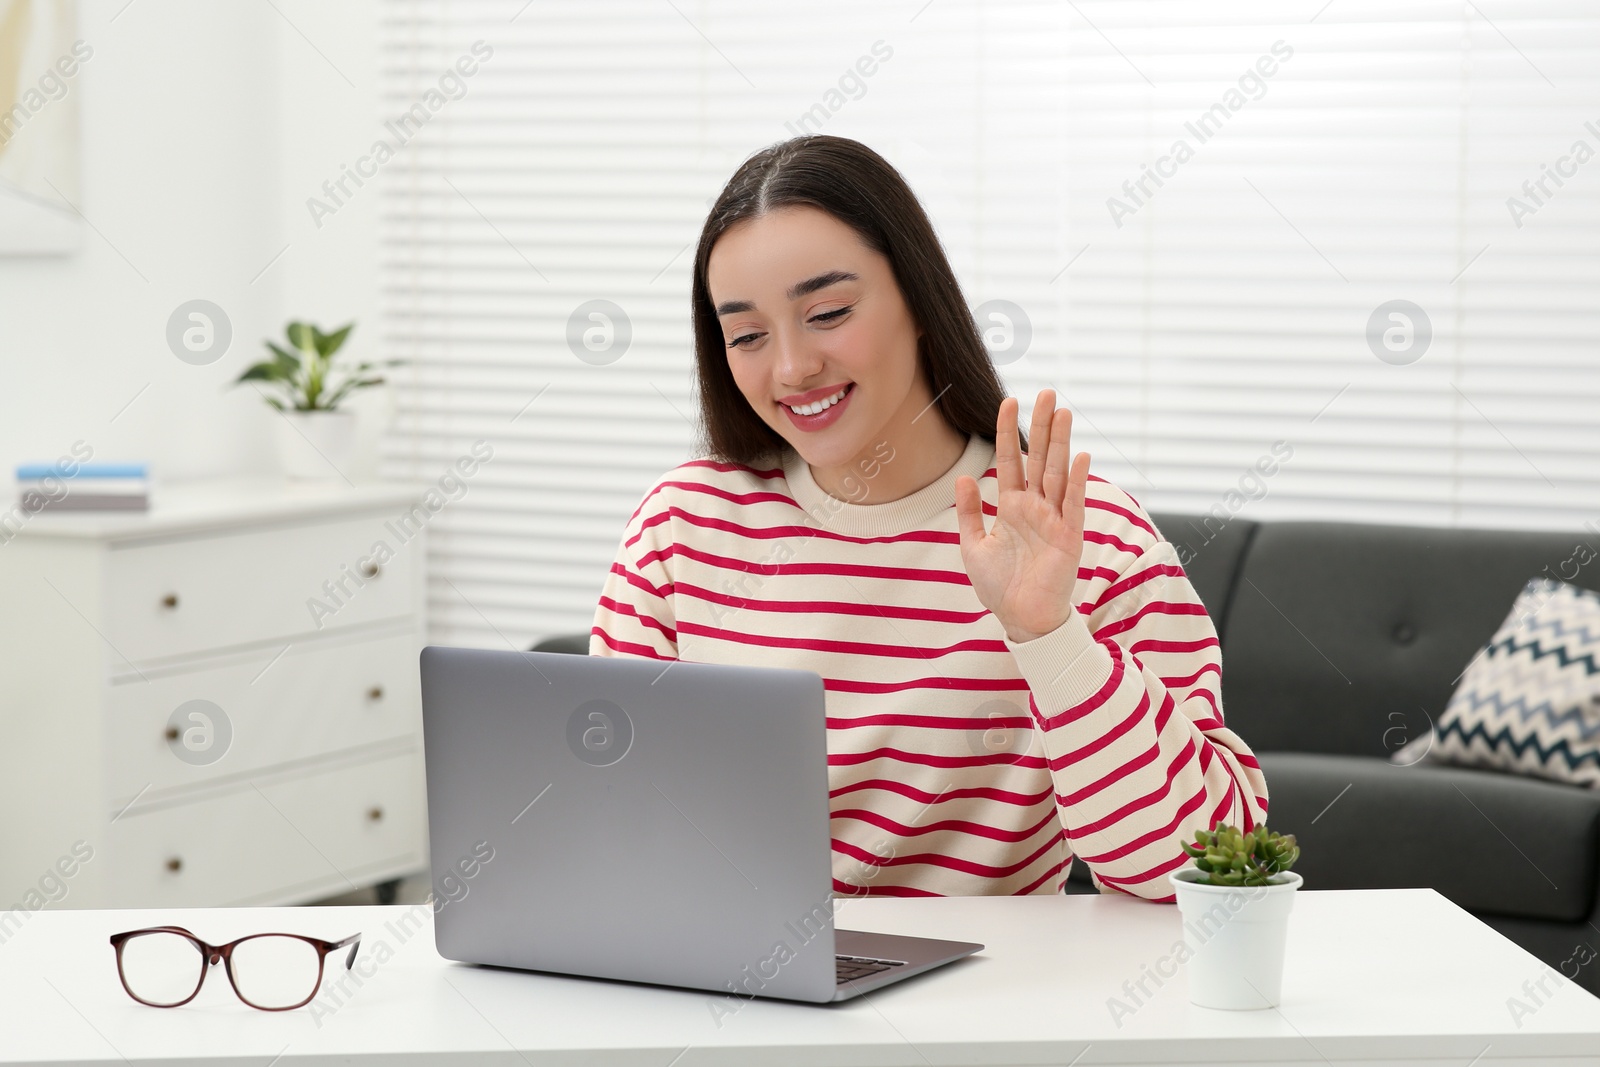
point(210, 954)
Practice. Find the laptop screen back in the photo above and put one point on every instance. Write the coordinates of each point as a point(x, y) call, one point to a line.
point(629, 818)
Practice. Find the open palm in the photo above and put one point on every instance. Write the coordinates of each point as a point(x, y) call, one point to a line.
point(1023, 569)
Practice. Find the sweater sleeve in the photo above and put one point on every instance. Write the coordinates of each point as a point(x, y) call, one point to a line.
point(1126, 697)
point(635, 616)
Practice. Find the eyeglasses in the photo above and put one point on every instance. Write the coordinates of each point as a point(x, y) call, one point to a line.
point(165, 966)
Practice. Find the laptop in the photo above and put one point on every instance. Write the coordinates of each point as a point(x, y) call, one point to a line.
point(641, 820)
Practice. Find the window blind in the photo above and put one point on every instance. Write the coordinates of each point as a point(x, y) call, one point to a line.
point(1387, 156)
point(1206, 322)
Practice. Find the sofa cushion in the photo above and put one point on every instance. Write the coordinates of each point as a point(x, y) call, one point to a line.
point(1349, 638)
point(576, 644)
point(1489, 841)
point(1530, 701)
point(1210, 551)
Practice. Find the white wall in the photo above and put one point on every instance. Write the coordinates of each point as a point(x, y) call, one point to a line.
point(204, 126)
point(324, 122)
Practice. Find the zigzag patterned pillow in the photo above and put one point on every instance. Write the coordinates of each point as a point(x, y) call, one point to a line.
point(1530, 701)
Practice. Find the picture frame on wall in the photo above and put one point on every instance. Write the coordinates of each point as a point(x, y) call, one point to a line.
point(40, 61)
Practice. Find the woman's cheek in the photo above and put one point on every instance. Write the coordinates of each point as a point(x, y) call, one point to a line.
point(746, 387)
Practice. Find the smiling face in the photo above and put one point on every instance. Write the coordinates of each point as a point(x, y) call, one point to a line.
point(808, 310)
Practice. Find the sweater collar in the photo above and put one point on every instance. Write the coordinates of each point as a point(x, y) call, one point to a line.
point(895, 516)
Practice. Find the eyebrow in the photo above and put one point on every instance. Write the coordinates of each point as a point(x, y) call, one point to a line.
point(796, 291)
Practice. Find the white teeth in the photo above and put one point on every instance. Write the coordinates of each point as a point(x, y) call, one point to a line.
point(821, 405)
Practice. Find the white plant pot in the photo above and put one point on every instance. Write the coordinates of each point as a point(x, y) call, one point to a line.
point(1236, 938)
point(315, 445)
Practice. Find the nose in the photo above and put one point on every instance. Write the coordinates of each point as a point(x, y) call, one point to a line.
point(797, 362)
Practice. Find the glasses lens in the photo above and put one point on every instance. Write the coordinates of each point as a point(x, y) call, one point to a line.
point(273, 971)
point(162, 968)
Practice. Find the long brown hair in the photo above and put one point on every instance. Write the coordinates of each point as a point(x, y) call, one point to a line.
point(863, 190)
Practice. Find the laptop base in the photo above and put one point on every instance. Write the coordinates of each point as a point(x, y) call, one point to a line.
point(907, 956)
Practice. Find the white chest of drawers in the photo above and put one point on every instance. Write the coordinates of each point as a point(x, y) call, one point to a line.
point(214, 702)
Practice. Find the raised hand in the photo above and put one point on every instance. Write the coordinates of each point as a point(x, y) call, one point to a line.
point(1023, 569)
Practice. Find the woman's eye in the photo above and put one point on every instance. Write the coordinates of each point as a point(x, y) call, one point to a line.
point(826, 316)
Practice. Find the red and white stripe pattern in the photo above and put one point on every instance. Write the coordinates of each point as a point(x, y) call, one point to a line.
point(960, 763)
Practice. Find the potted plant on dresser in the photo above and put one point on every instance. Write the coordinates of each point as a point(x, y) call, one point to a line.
point(315, 438)
point(1235, 904)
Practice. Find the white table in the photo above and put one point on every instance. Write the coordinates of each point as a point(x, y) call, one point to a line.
point(1390, 977)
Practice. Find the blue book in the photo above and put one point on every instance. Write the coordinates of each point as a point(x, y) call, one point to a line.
point(35, 471)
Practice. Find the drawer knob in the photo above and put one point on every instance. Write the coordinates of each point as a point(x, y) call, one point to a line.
point(170, 601)
point(172, 733)
point(375, 813)
point(369, 569)
point(175, 864)
point(375, 693)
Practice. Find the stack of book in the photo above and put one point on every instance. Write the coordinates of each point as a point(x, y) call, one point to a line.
point(91, 487)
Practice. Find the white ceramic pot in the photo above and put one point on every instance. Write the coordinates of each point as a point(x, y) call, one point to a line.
point(1236, 938)
point(315, 445)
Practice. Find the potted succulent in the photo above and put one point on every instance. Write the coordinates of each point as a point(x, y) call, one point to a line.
point(1235, 904)
point(315, 438)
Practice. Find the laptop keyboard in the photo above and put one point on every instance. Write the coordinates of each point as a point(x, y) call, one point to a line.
point(850, 968)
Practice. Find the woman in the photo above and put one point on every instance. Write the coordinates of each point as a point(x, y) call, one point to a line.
point(998, 701)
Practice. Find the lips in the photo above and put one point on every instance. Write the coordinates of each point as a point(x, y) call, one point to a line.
point(800, 400)
point(824, 418)
point(832, 400)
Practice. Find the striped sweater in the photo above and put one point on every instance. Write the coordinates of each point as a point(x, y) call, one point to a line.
point(959, 762)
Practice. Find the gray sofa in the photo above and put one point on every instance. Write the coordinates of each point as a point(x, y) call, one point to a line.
point(1341, 641)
